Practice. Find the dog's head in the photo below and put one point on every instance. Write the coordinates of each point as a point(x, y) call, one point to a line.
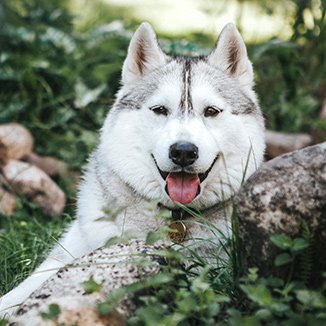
point(186, 130)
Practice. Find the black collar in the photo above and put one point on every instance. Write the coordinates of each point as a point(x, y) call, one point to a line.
point(187, 212)
point(180, 213)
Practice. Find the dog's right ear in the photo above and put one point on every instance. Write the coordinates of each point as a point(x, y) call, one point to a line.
point(144, 54)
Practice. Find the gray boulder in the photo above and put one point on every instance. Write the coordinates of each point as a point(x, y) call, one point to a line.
point(285, 194)
point(112, 268)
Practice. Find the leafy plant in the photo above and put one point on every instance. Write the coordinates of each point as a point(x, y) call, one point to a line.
point(196, 294)
point(58, 83)
point(286, 93)
point(52, 313)
point(293, 247)
point(91, 286)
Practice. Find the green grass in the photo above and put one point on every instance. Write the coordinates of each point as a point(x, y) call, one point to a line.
point(24, 240)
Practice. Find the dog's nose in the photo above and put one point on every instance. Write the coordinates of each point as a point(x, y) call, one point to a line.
point(183, 153)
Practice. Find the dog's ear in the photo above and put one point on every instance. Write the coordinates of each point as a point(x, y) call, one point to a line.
point(144, 54)
point(230, 55)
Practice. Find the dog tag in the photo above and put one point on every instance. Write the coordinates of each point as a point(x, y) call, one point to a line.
point(180, 232)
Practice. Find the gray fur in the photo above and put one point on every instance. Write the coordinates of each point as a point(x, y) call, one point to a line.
point(224, 85)
point(186, 102)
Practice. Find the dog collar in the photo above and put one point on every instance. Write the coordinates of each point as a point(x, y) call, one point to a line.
point(176, 224)
point(178, 215)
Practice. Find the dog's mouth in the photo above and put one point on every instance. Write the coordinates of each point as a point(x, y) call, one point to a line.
point(183, 187)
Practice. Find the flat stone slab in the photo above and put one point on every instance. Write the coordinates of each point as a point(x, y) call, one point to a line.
point(113, 268)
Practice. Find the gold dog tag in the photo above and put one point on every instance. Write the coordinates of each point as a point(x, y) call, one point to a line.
point(180, 232)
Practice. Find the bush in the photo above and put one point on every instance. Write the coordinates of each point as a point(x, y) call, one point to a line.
point(58, 83)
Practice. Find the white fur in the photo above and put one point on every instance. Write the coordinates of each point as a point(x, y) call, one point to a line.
point(121, 174)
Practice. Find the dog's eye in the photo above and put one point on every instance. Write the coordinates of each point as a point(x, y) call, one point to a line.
point(212, 111)
point(160, 110)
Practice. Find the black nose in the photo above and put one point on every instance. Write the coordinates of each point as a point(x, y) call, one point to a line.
point(183, 153)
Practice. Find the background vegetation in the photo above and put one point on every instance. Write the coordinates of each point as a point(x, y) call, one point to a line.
point(59, 81)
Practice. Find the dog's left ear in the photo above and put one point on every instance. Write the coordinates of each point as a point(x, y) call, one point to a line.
point(230, 55)
point(144, 54)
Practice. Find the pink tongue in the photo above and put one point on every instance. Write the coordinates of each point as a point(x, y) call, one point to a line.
point(182, 187)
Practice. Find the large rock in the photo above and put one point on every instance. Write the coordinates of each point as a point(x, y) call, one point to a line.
point(15, 141)
point(275, 200)
point(278, 143)
point(7, 202)
point(36, 185)
point(50, 165)
point(112, 268)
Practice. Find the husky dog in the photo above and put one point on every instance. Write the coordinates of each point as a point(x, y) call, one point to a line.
point(182, 131)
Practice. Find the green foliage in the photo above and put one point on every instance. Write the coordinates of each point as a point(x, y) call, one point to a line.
point(295, 251)
point(197, 295)
point(293, 246)
point(286, 88)
point(91, 286)
point(306, 257)
point(290, 76)
point(274, 302)
point(56, 82)
point(53, 312)
point(3, 322)
point(171, 297)
point(213, 293)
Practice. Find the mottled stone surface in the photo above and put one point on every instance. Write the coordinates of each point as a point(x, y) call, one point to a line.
point(275, 200)
point(113, 267)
